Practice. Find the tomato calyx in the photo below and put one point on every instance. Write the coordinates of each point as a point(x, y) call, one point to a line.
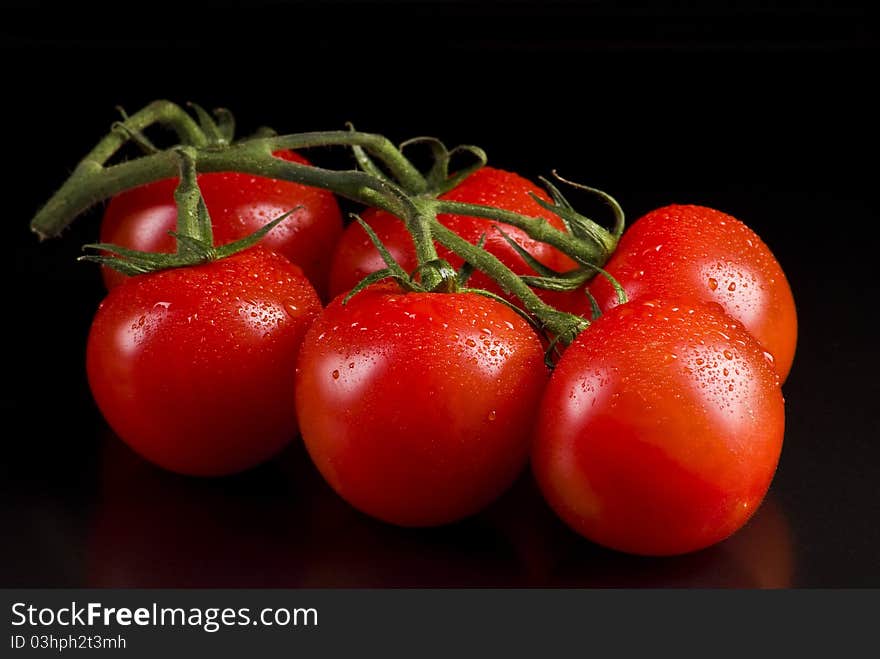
point(194, 235)
point(584, 240)
point(442, 276)
point(559, 327)
point(214, 131)
point(437, 179)
point(220, 131)
point(579, 225)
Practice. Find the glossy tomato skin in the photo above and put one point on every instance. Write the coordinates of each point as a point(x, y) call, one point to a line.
point(239, 204)
point(701, 252)
point(418, 408)
point(194, 367)
point(661, 428)
point(355, 256)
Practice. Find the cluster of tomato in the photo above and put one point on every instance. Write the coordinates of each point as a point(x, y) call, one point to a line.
point(658, 431)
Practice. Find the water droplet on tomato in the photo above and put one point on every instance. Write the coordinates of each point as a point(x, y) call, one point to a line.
point(470, 342)
point(492, 415)
point(713, 283)
point(335, 374)
point(732, 286)
point(728, 354)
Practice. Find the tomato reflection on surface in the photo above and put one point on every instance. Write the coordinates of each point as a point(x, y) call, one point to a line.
point(280, 525)
point(760, 555)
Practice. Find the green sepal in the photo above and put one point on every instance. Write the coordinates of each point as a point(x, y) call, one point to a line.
point(225, 125)
point(249, 241)
point(364, 161)
point(507, 303)
point(371, 278)
point(134, 262)
point(393, 270)
point(551, 280)
point(594, 305)
point(578, 225)
point(460, 175)
point(393, 265)
point(618, 289)
point(551, 352)
point(207, 124)
point(559, 200)
point(439, 170)
point(532, 262)
point(129, 268)
point(192, 248)
point(191, 251)
point(611, 202)
point(575, 325)
point(438, 178)
point(561, 284)
point(118, 250)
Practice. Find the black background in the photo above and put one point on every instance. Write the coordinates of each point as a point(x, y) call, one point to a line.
point(763, 110)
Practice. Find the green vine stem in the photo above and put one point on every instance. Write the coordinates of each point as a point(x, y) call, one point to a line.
point(422, 223)
point(194, 236)
point(165, 113)
point(585, 240)
point(537, 227)
point(564, 326)
point(93, 180)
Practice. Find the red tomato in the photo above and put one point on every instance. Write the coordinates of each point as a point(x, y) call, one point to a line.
point(194, 367)
point(661, 428)
point(239, 204)
point(355, 256)
point(701, 252)
point(418, 408)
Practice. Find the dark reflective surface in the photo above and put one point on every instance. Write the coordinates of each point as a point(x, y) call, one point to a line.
point(282, 526)
point(763, 115)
